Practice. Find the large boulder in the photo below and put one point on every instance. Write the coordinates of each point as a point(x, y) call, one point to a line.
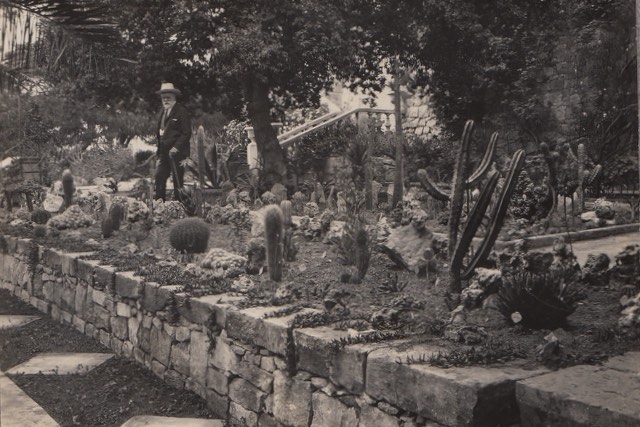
point(596, 270)
point(412, 246)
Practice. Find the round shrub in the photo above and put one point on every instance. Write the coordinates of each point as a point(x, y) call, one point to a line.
point(189, 235)
point(39, 231)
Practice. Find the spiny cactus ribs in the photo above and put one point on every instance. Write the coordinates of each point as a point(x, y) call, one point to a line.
point(116, 213)
point(274, 233)
point(68, 186)
point(189, 235)
point(107, 227)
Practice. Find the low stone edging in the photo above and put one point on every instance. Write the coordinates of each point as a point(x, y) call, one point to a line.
point(257, 371)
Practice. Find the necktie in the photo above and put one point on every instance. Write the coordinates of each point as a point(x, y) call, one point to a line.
point(164, 118)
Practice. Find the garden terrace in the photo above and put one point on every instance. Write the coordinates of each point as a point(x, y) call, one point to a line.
point(256, 368)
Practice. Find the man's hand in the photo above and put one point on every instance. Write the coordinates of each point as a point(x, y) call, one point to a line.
point(173, 151)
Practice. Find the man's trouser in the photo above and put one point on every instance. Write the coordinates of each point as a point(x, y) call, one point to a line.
point(163, 172)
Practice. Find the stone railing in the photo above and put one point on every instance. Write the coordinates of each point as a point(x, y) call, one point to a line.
point(256, 370)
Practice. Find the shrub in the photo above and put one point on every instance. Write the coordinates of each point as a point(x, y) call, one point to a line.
point(543, 300)
point(189, 235)
point(39, 230)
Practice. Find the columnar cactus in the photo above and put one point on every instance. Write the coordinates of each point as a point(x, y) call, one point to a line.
point(68, 186)
point(107, 227)
point(116, 214)
point(458, 248)
point(289, 246)
point(189, 235)
point(274, 234)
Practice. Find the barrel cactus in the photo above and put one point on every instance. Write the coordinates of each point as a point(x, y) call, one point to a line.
point(189, 235)
point(40, 216)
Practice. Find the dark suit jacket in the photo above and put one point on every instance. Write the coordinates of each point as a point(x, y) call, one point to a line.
point(177, 131)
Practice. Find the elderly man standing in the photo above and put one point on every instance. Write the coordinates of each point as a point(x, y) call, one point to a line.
point(174, 134)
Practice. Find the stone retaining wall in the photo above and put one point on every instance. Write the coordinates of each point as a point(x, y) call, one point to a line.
point(256, 371)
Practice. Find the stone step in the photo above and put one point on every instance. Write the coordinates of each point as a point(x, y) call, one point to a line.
point(60, 364)
point(155, 421)
point(583, 395)
point(14, 320)
point(19, 410)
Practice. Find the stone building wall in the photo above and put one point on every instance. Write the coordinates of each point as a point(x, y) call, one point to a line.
point(253, 369)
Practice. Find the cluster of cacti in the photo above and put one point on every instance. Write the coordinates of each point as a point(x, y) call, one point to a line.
point(268, 198)
point(164, 212)
point(289, 247)
point(70, 218)
point(458, 248)
point(274, 234)
point(40, 216)
point(189, 235)
point(568, 173)
point(136, 210)
point(225, 263)
point(68, 187)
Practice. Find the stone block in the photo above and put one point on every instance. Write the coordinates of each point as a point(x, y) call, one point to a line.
point(104, 277)
point(628, 362)
point(139, 355)
point(50, 257)
point(220, 304)
point(196, 387)
point(78, 323)
point(133, 325)
point(85, 271)
point(199, 356)
point(250, 326)
point(123, 309)
point(456, 396)
point(101, 318)
point(580, 396)
point(266, 420)
point(127, 350)
point(193, 310)
point(158, 369)
point(217, 381)
point(241, 417)
point(246, 394)
point(174, 378)
point(224, 358)
point(120, 327)
point(68, 302)
point(117, 345)
point(80, 302)
point(330, 412)
point(292, 400)
point(43, 306)
point(180, 357)
point(311, 345)
point(159, 343)
point(90, 330)
point(349, 364)
point(374, 417)
point(256, 376)
point(182, 333)
point(105, 338)
point(217, 403)
point(155, 297)
point(66, 317)
point(69, 264)
point(128, 285)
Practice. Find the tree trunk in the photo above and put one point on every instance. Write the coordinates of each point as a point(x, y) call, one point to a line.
point(273, 165)
point(398, 178)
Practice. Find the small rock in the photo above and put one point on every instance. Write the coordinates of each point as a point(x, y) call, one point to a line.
point(388, 409)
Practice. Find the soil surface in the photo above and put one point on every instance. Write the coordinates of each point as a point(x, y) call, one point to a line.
point(107, 396)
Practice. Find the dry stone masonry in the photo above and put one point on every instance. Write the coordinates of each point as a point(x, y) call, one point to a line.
point(258, 371)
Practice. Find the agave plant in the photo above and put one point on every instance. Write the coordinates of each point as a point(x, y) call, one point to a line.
point(538, 300)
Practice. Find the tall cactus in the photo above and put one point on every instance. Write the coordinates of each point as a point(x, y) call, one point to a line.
point(68, 187)
point(288, 245)
point(201, 156)
point(274, 231)
point(460, 180)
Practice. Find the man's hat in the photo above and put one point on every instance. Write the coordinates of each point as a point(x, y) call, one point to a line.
point(167, 87)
